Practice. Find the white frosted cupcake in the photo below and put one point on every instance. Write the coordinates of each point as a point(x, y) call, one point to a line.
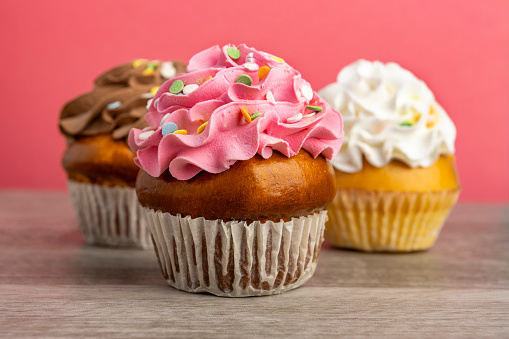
point(395, 173)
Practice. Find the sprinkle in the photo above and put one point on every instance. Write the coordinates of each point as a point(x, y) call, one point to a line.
point(138, 62)
point(148, 71)
point(176, 86)
point(246, 115)
point(169, 128)
point(277, 59)
point(145, 135)
point(202, 127)
point(314, 108)
point(307, 92)
point(147, 95)
point(148, 128)
point(295, 118)
point(250, 58)
point(233, 52)
point(180, 93)
point(251, 66)
point(114, 104)
point(406, 124)
point(244, 79)
point(256, 115)
point(308, 115)
point(181, 131)
point(270, 97)
point(149, 103)
point(207, 78)
point(188, 89)
point(164, 119)
point(262, 72)
point(156, 102)
point(153, 90)
point(168, 70)
point(152, 65)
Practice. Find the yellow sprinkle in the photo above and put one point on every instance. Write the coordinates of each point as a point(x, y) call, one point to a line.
point(138, 62)
point(148, 71)
point(207, 78)
point(246, 116)
point(202, 127)
point(153, 90)
point(262, 72)
point(277, 59)
point(432, 118)
point(180, 131)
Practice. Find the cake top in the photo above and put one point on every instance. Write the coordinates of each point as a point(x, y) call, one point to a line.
point(235, 102)
point(118, 101)
point(388, 114)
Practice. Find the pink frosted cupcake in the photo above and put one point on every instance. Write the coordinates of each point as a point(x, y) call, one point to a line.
point(235, 179)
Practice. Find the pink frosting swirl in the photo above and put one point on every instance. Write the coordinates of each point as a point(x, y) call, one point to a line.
point(228, 137)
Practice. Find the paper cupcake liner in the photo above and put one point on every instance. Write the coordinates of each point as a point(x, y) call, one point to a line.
point(110, 216)
point(236, 259)
point(388, 221)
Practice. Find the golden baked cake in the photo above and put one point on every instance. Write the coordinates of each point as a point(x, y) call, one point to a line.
point(396, 174)
point(98, 162)
point(235, 176)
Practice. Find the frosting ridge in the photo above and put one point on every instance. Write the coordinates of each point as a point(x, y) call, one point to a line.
point(388, 113)
point(230, 96)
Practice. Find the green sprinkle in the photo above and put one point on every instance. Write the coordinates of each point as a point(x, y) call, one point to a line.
point(245, 79)
point(151, 65)
point(233, 52)
point(314, 108)
point(176, 87)
point(406, 123)
point(256, 115)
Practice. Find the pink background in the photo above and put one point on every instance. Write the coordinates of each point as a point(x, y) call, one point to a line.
point(52, 51)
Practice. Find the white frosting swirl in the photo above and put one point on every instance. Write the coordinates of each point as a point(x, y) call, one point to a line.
point(388, 114)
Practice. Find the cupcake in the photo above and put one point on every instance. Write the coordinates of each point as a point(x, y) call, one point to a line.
point(99, 164)
point(396, 174)
point(235, 176)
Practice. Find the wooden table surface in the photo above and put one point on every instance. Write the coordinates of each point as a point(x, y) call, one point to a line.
point(53, 285)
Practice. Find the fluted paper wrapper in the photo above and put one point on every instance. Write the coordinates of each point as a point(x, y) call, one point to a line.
point(236, 259)
point(388, 221)
point(110, 216)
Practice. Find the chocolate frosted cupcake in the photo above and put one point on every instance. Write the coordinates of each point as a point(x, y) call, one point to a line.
point(235, 179)
point(99, 164)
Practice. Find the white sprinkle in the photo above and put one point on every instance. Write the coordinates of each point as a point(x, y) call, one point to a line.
point(147, 95)
point(149, 103)
point(168, 70)
point(308, 115)
point(251, 66)
point(164, 118)
point(145, 135)
point(114, 104)
point(250, 57)
point(188, 89)
point(295, 118)
point(156, 102)
point(307, 92)
point(148, 128)
point(270, 97)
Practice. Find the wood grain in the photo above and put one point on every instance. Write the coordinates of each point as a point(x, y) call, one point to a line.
point(53, 285)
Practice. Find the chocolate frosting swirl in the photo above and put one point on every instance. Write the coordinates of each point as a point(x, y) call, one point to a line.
point(118, 101)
